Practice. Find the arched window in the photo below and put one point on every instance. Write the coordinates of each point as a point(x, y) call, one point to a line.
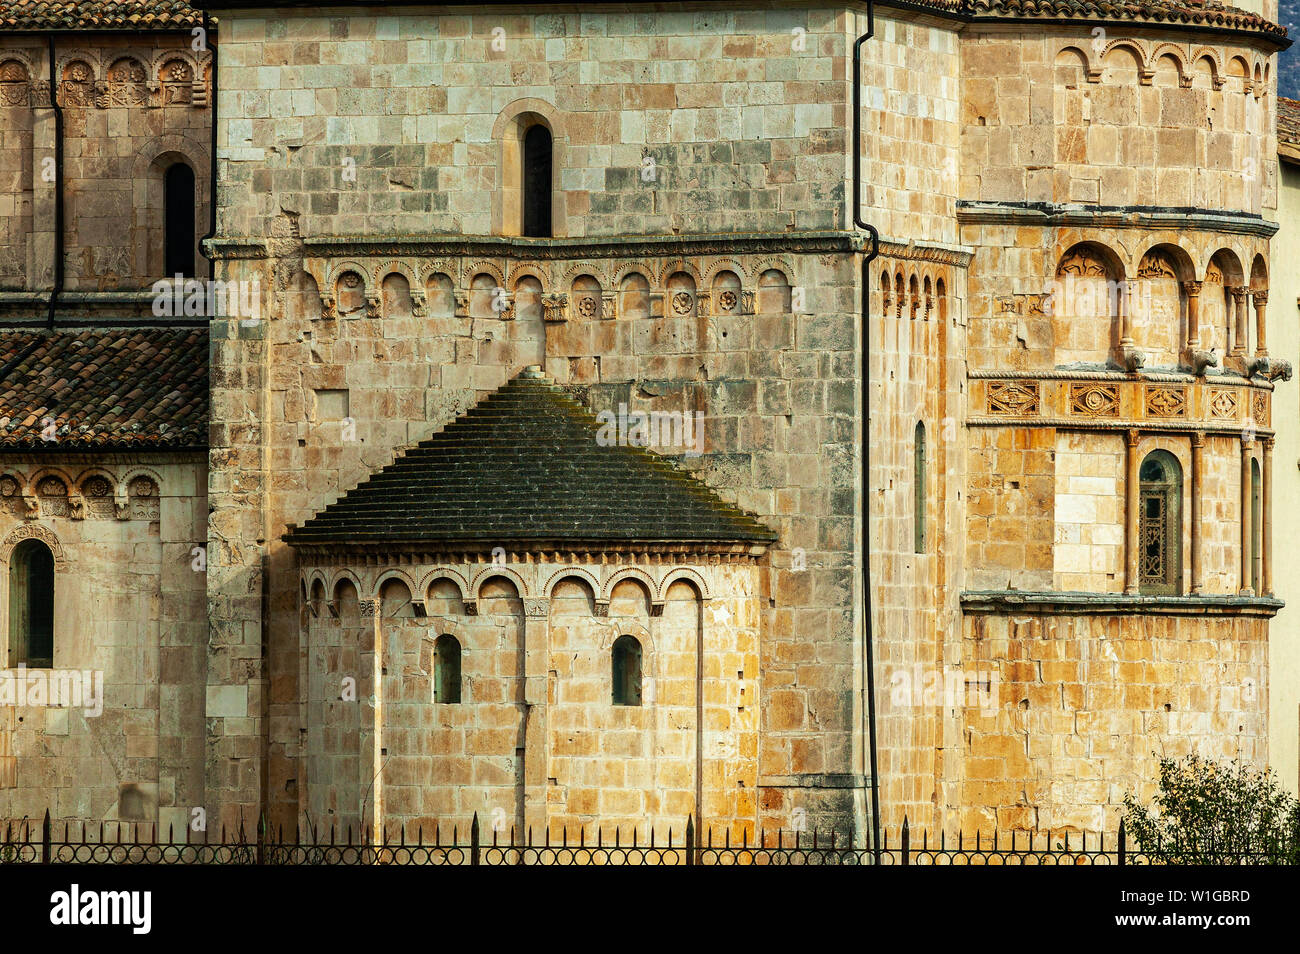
point(537, 181)
point(1256, 530)
point(178, 212)
point(446, 685)
point(918, 510)
point(31, 605)
point(627, 671)
point(1160, 524)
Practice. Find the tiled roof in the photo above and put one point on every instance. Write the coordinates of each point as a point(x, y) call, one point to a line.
point(104, 388)
point(1186, 12)
point(98, 15)
point(525, 464)
point(1288, 128)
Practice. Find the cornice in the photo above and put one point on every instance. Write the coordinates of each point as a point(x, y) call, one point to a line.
point(533, 249)
point(939, 254)
point(401, 552)
point(1147, 217)
point(1066, 603)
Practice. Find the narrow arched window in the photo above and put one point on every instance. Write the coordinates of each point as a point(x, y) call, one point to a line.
point(626, 658)
point(1160, 524)
point(1256, 530)
point(446, 684)
point(918, 507)
point(178, 212)
point(31, 605)
point(537, 182)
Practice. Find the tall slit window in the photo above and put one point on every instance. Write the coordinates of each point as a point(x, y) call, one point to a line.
point(919, 489)
point(178, 213)
point(446, 670)
point(31, 605)
point(1256, 530)
point(537, 182)
point(1160, 524)
point(626, 659)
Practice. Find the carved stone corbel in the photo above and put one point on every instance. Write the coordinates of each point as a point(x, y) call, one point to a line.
point(76, 506)
point(372, 306)
point(329, 307)
point(418, 304)
point(1202, 360)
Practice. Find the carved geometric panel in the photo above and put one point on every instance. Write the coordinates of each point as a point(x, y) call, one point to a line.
point(1260, 408)
point(1013, 397)
point(1163, 400)
point(1094, 400)
point(1223, 404)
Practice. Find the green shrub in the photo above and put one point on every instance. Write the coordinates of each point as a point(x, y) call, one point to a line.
point(1211, 813)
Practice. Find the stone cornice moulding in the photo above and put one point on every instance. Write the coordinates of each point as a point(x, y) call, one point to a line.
point(1179, 377)
point(491, 246)
point(1048, 214)
point(1073, 603)
point(940, 254)
point(1147, 425)
point(397, 553)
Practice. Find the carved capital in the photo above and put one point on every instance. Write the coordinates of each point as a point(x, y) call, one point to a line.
point(1260, 297)
point(537, 608)
point(369, 609)
point(1192, 289)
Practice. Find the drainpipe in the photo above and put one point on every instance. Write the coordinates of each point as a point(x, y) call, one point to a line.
point(58, 187)
point(210, 38)
point(865, 419)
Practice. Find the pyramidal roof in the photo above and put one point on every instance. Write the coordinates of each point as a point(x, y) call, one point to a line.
point(525, 465)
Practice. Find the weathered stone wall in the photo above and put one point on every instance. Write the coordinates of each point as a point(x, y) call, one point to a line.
point(534, 741)
point(131, 106)
point(128, 604)
point(1130, 117)
point(1086, 706)
point(396, 123)
point(911, 127)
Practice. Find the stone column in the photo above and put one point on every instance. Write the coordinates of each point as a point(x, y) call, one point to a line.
point(1193, 290)
point(370, 695)
point(1247, 446)
point(1198, 447)
point(1239, 322)
point(537, 639)
point(1260, 299)
point(1131, 584)
point(1126, 317)
point(1266, 519)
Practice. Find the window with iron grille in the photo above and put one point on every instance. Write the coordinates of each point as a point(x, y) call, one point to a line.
point(1159, 524)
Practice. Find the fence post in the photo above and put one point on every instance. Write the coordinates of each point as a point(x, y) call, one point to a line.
point(45, 838)
point(690, 839)
point(907, 840)
point(473, 841)
point(1122, 846)
point(261, 840)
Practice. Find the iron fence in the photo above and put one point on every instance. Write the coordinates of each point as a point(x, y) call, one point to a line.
point(24, 842)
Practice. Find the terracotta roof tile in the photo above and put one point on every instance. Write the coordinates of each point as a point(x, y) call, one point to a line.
point(98, 15)
point(1186, 12)
point(104, 388)
point(526, 464)
point(1288, 123)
